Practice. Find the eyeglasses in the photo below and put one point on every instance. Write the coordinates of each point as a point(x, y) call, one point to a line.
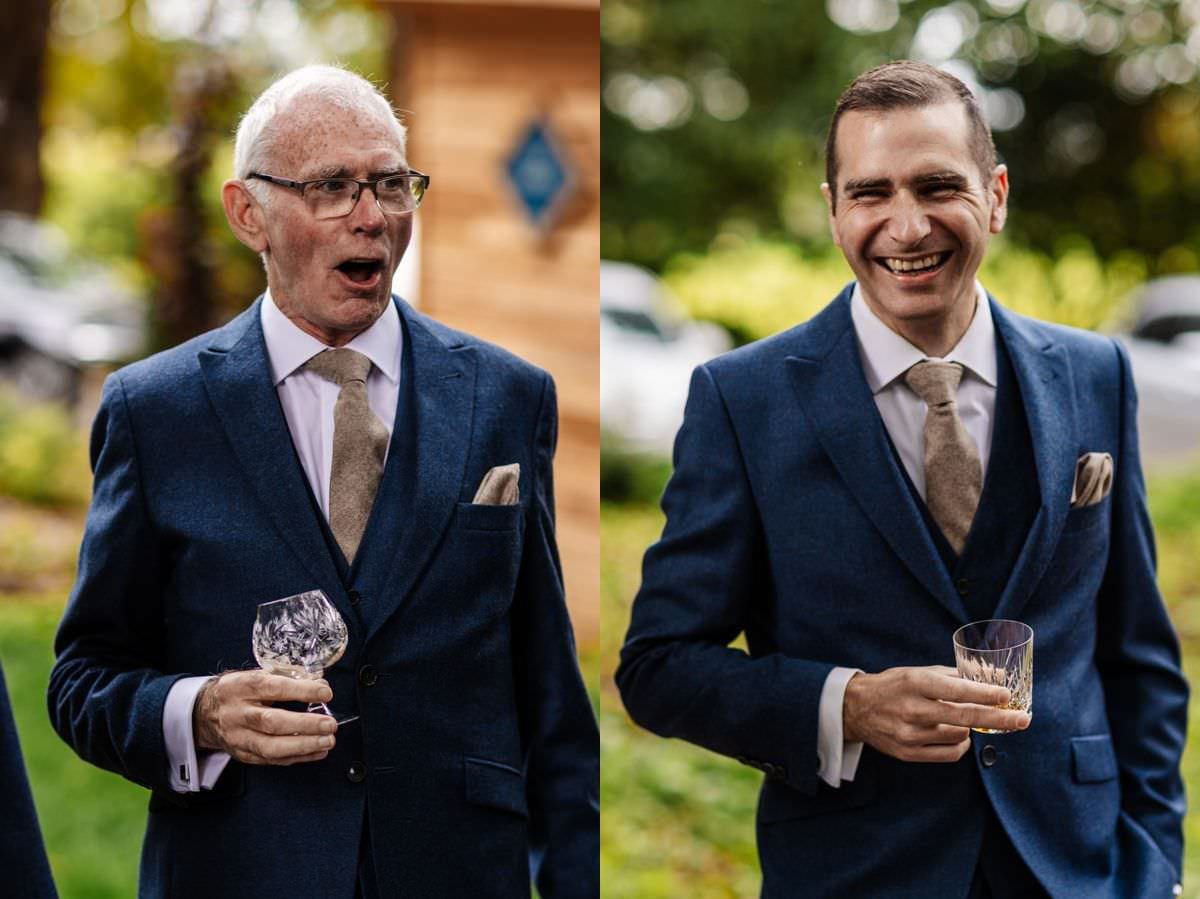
point(331, 198)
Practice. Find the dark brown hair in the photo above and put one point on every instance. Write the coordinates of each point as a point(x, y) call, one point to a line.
point(907, 84)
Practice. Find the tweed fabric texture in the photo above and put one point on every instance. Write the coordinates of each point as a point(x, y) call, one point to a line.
point(953, 471)
point(359, 446)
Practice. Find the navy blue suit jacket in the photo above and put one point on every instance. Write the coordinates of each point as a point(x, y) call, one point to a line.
point(789, 519)
point(24, 869)
point(475, 760)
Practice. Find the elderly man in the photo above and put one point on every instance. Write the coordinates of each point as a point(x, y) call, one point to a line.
point(331, 438)
point(851, 491)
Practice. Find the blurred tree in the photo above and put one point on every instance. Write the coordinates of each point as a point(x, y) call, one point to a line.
point(22, 63)
point(714, 115)
point(141, 107)
point(184, 303)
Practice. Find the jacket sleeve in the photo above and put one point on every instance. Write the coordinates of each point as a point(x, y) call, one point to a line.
point(107, 687)
point(1137, 654)
point(702, 584)
point(22, 852)
point(562, 743)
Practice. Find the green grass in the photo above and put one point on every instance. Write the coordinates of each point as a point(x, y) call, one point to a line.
point(679, 821)
point(92, 820)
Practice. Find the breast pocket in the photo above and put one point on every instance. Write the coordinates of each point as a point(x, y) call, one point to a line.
point(1088, 517)
point(477, 568)
point(477, 517)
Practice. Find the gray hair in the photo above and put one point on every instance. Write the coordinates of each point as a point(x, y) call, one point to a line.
point(258, 131)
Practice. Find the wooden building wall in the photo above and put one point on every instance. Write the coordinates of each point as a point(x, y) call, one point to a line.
point(472, 76)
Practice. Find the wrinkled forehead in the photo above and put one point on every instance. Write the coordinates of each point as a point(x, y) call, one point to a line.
point(317, 138)
point(874, 143)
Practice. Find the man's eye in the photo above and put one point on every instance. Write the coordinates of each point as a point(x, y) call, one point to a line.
point(941, 190)
point(397, 185)
point(866, 195)
point(334, 187)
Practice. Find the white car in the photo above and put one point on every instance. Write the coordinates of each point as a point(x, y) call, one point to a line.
point(648, 350)
point(58, 314)
point(1164, 349)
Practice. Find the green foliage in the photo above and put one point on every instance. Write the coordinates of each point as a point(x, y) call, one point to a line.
point(42, 457)
point(715, 114)
point(677, 821)
point(113, 113)
point(630, 477)
point(92, 820)
point(756, 288)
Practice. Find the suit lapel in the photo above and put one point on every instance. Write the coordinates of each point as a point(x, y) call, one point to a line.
point(237, 377)
point(827, 375)
point(431, 444)
point(1043, 375)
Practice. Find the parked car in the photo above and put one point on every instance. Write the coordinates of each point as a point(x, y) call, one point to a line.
point(58, 314)
point(648, 350)
point(1164, 349)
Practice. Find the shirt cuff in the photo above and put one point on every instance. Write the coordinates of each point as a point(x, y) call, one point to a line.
point(837, 759)
point(191, 771)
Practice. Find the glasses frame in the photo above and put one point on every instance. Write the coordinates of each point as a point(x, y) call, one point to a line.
point(301, 186)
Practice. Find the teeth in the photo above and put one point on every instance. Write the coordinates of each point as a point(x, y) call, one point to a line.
point(912, 265)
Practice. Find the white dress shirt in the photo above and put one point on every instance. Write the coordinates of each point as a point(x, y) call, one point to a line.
point(307, 401)
point(885, 357)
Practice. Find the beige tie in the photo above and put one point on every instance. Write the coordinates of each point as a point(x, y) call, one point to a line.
point(953, 472)
point(359, 446)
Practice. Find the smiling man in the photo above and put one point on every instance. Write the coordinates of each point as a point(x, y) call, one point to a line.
point(850, 492)
point(332, 438)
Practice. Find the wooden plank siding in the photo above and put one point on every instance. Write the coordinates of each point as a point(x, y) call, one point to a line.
point(472, 76)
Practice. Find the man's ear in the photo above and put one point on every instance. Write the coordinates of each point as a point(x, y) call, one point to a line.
point(827, 192)
point(244, 214)
point(998, 188)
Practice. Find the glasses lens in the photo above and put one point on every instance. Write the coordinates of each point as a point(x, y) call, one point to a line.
point(401, 194)
point(332, 198)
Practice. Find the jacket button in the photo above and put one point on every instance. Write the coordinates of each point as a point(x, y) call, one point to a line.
point(356, 773)
point(355, 597)
point(963, 586)
point(988, 755)
point(367, 675)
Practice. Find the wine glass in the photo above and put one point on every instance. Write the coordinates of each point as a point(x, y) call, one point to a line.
point(300, 636)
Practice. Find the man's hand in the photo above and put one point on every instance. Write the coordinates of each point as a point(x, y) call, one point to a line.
point(233, 713)
point(923, 714)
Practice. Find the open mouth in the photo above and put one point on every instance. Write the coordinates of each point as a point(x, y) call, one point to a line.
point(361, 271)
point(921, 265)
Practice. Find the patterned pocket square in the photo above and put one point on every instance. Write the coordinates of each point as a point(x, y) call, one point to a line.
point(499, 486)
point(1093, 479)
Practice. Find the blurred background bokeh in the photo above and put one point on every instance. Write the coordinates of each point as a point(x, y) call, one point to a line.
point(117, 120)
point(713, 120)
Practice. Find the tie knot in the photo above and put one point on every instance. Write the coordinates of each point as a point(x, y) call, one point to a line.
point(340, 366)
point(935, 382)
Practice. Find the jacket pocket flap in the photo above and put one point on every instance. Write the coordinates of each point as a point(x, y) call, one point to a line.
point(495, 785)
point(1093, 759)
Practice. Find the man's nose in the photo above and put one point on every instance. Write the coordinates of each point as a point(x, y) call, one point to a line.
point(367, 215)
point(908, 223)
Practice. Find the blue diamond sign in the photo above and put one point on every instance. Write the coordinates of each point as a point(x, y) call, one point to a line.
point(539, 175)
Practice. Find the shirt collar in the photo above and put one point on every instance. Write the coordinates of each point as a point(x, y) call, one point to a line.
point(288, 347)
point(886, 355)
